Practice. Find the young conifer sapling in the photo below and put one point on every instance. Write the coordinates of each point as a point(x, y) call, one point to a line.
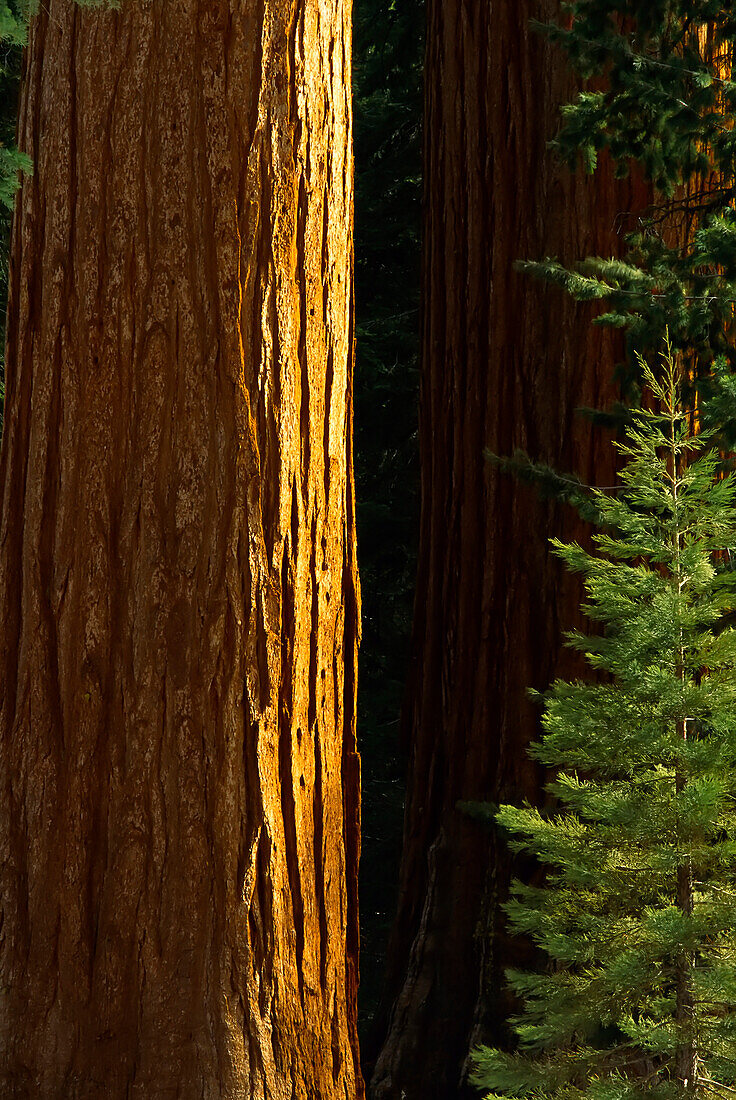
point(636, 913)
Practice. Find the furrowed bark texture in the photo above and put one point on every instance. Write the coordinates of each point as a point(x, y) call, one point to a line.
point(179, 804)
point(506, 363)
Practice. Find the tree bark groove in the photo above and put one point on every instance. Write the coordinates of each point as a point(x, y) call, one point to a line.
point(179, 810)
point(506, 363)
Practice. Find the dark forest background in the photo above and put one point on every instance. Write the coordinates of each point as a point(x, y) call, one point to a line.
point(387, 59)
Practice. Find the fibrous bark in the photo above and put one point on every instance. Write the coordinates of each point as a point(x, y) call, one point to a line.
point(506, 364)
point(179, 798)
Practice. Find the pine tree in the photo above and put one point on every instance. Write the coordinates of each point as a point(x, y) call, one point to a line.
point(636, 912)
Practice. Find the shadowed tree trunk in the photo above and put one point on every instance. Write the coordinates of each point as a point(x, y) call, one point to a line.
point(179, 800)
point(506, 363)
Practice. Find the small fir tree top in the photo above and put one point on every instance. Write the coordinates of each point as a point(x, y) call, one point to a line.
point(637, 912)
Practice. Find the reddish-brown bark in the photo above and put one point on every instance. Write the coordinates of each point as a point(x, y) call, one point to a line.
point(506, 363)
point(179, 798)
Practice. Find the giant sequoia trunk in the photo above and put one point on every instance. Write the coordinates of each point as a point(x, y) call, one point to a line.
point(506, 363)
point(179, 798)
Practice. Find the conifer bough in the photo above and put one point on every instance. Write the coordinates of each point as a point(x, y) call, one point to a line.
point(637, 910)
point(659, 97)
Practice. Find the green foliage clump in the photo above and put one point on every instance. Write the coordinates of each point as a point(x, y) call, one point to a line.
point(12, 164)
point(658, 96)
point(13, 22)
point(635, 910)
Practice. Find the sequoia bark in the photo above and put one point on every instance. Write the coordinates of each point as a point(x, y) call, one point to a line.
point(506, 363)
point(179, 808)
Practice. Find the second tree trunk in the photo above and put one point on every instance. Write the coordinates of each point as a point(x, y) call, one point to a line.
point(506, 364)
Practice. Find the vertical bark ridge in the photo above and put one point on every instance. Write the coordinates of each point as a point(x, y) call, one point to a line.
point(180, 792)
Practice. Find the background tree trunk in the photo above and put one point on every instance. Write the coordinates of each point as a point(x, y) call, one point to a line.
point(179, 802)
point(506, 363)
